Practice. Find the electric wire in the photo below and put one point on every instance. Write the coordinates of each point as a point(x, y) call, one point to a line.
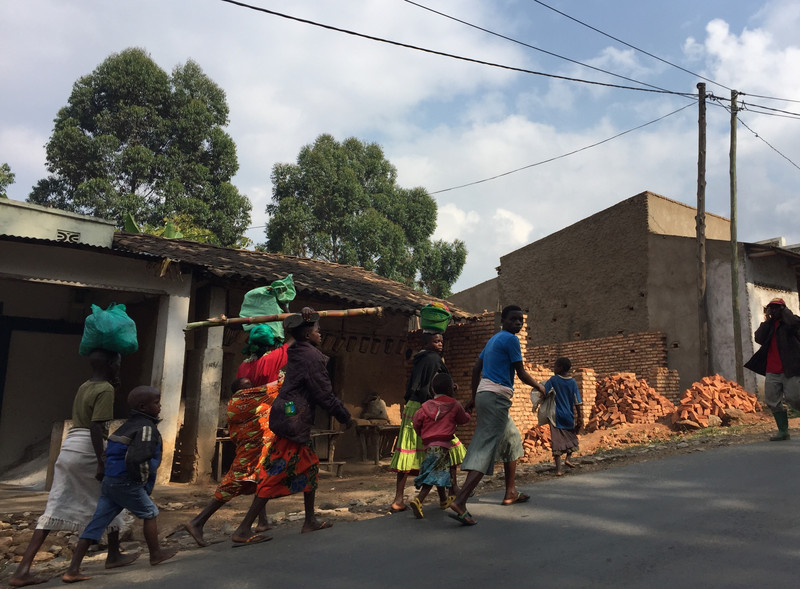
point(580, 22)
point(550, 53)
point(656, 57)
point(755, 134)
point(450, 55)
point(563, 155)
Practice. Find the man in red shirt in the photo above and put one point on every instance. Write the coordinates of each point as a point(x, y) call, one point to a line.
point(778, 360)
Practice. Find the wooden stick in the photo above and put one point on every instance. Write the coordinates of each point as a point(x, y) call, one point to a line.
point(222, 320)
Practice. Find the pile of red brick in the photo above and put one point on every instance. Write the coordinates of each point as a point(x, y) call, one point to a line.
point(537, 438)
point(622, 398)
point(713, 396)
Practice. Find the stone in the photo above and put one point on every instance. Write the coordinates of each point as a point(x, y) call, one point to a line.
point(23, 537)
point(733, 415)
point(43, 556)
point(714, 421)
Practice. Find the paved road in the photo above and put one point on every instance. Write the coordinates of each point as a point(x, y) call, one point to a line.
point(727, 517)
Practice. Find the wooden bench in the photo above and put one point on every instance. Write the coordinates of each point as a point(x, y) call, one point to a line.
point(330, 436)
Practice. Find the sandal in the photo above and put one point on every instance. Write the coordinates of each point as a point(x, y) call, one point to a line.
point(465, 519)
point(446, 503)
point(520, 498)
point(416, 507)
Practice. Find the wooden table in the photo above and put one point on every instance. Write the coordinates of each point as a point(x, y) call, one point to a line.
point(373, 436)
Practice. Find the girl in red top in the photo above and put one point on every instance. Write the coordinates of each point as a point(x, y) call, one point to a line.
point(436, 423)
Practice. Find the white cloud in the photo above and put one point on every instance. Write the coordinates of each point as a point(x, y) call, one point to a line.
point(455, 223)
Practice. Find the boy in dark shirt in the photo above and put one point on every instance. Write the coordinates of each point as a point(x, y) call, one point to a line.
point(133, 455)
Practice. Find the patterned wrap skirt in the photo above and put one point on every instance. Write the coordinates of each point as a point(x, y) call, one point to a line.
point(435, 469)
point(409, 452)
point(248, 424)
point(290, 467)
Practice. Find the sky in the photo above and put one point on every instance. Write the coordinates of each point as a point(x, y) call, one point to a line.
point(445, 122)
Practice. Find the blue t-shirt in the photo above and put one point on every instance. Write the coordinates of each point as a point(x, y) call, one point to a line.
point(567, 395)
point(499, 356)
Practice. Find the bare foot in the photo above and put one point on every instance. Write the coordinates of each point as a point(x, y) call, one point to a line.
point(74, 578)
point(25, 580)
point(162, 555)
point(263, 527)
point(314, 526)
point(196, 533)
point(122, 560)
point(570, 464)
point(559, 473)
point(398, 507)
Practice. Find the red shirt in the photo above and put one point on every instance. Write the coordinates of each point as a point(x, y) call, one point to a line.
point(266, 369)
point(774, 364)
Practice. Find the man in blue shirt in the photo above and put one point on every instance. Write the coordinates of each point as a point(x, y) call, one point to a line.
point(492, 390)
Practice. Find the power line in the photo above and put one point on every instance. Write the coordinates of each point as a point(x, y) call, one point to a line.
point(450, 55)
point(757, 136)
point(597, 69)
point(580, 22)
point(564, 154)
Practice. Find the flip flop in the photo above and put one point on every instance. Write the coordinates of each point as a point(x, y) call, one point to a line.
point(254, 539)
point(416, 507)
point(446, 503)
point(322, 526)
point(465, 519)
point(520, 498)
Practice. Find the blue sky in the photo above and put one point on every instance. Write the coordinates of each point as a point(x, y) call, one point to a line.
point(444, 122)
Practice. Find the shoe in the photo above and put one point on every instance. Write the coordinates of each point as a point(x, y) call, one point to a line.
point(416, 507)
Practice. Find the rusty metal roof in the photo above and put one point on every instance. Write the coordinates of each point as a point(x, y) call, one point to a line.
point(351, 285)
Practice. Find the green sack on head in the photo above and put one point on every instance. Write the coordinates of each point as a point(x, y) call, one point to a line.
point(109, 329)
point(268, 300)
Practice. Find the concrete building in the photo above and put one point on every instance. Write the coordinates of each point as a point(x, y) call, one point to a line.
point(632, 268)
point(54, 265)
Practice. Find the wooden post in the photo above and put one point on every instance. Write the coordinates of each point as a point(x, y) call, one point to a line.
point(737, 326)
point(702, 304)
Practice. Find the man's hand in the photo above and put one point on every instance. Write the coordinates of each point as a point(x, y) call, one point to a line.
point(469, 406)
point(307, 312)
point(101, 471)
point(350, 424)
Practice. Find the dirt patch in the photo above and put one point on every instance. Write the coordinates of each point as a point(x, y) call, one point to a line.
point(364, 492)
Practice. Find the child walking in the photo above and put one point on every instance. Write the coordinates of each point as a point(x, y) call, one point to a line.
point(563, 436)
point(132, 458)
point(79, 469)
point(436, 423)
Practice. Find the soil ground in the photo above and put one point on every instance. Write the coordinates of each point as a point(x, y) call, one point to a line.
point(365, 491)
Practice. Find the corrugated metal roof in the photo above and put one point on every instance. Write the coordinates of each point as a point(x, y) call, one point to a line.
point(351, 285)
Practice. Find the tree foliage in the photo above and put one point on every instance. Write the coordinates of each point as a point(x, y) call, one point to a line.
point(340, 202)
point(134, 139)
point(6, 179)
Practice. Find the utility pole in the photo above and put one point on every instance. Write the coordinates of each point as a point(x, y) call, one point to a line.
point(702, 303)
point(737, 326)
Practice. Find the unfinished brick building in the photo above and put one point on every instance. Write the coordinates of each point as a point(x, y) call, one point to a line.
point(617, 291)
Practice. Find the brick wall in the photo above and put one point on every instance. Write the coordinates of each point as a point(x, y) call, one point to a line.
point(643, 353)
